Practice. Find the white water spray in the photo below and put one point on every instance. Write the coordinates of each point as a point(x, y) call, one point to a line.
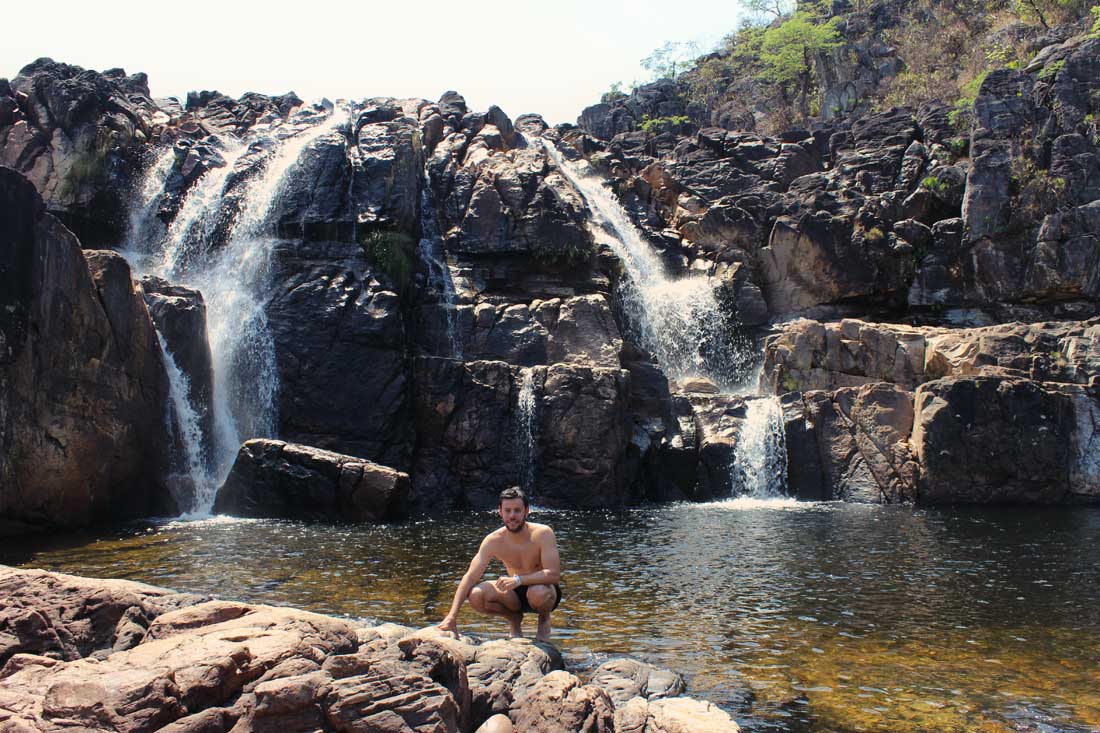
point(439, 273)
point(186, 424)
point(233, 280)
point(679, 320)
point(760, 454)
point(526, 438)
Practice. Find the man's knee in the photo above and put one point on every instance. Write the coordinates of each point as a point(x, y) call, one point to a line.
point(477, 598)
point(541, 598)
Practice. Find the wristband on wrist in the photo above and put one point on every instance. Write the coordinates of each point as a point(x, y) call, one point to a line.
point(519, 580)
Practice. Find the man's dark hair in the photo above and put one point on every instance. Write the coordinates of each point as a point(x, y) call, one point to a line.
point(513, 492)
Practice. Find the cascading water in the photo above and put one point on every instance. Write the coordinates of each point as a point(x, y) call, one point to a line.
point(760, 454)
point(526, 438)
point(233, 279)
point(679, 320)
point(439, 273)
point(186, 425)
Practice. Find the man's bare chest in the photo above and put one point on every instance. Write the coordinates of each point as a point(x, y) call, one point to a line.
point(519, 558)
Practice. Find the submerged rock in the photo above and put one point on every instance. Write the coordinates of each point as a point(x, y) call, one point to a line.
point(271, 478)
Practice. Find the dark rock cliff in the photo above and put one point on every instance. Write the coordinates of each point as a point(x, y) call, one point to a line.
point(437, 301)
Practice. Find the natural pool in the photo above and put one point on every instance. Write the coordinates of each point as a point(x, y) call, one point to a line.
point(840, 617)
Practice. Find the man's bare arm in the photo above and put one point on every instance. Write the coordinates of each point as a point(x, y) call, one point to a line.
point(551, 563)
point(469, 580)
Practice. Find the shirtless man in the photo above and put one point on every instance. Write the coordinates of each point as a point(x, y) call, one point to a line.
point(529, 554)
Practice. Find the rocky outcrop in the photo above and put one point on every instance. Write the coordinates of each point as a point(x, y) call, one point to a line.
point(990, 439)
point(271, 478)
point(469, 418)
point(179, 315)
point(80, 137)
point(82, 384)
point(885, 413)
point(63, 617)
point(121, 656)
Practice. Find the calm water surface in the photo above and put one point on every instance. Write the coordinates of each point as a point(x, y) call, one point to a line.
point(837, 617)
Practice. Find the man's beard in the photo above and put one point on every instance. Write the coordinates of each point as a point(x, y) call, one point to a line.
point(522, 524)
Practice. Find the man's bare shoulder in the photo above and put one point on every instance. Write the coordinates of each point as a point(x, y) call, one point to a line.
point(540, 530)
point(494, 538)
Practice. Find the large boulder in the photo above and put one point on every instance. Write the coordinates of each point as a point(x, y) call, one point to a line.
point(672, 715)
point(81, 378)
point(625, 678)
point(66, 617)
point(560, 703)
point(271, 478)
point(1001, 440)
point(179, 314)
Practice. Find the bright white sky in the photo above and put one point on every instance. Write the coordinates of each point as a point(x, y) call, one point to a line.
point(551, 57)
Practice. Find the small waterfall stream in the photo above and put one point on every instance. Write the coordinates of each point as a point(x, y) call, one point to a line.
point(526, 438)
point(439, 273)
point(679, 320)
point(185, 424)
point(233, 279)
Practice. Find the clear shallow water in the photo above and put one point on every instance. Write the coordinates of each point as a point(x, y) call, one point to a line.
point(839, 617)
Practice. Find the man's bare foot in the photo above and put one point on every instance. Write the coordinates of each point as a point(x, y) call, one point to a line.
point(544, 628)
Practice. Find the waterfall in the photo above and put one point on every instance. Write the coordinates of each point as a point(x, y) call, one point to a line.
point(439, 273)
point(186, 426)
point(143, 210)
point(678, 319)
point(233, 279)
point(526, 438)
point(760, 453)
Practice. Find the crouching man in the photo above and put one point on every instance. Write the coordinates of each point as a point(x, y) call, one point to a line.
point(530, 555)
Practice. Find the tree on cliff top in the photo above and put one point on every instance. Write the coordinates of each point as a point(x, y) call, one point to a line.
point(787, 53)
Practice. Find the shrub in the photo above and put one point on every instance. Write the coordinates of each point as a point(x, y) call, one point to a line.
point(934, 185)
point(874, 235)
point(389, 250)
point(655, 125)
point(1051, 70)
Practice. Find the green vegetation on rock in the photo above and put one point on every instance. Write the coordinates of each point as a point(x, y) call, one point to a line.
point(390, 251)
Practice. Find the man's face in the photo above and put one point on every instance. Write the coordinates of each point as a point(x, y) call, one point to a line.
point(514, 514)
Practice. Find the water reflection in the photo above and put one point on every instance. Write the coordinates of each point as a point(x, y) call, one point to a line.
point(839, 617)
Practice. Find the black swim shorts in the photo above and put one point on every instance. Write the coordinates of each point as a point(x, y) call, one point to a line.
point(525, 607)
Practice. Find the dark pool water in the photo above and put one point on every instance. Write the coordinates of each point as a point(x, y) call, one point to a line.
point(837, 617)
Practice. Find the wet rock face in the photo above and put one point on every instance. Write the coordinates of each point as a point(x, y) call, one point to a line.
point(339, 336)
point(179, 315)
point(81, 378)
point(271, 478)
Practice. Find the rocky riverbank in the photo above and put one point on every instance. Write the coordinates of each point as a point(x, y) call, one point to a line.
point(114, 655)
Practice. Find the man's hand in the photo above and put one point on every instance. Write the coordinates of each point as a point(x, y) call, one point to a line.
point(505, 583)
point(449, 626)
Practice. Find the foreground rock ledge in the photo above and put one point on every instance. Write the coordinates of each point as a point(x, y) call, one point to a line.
point(119, 656)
